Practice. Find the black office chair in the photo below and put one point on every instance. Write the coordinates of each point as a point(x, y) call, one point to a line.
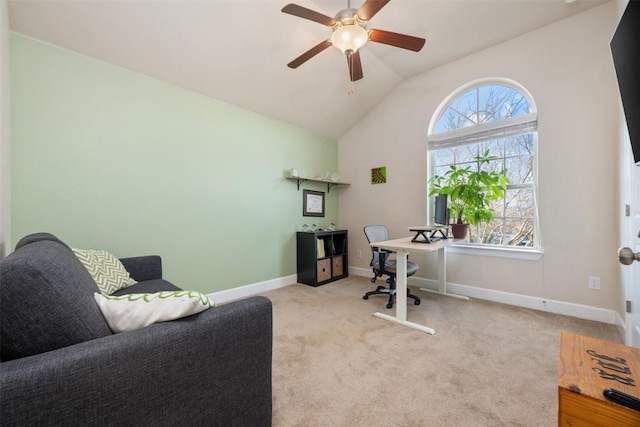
point(379, 233)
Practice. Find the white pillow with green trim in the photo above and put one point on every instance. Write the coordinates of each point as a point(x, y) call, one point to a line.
point(107, 270)
point(135, 311)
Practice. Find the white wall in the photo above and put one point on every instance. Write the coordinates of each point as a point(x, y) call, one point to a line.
point(568, 70)
point(5, 133)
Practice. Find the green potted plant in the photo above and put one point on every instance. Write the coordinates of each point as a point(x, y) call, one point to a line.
point(470, 193)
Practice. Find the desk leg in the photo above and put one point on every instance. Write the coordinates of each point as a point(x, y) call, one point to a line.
point(401, 285)
point(401, 296)
point(442, 277)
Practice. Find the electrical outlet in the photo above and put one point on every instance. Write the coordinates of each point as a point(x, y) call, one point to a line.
point(359, 253)
point(594, 283)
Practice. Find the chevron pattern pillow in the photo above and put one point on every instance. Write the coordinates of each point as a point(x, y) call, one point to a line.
point(107, 270)
point(134, 311)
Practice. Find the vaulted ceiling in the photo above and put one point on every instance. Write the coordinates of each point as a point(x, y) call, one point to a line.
point(236, 51)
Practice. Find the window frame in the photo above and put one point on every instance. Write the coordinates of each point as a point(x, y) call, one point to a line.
point(488, 131)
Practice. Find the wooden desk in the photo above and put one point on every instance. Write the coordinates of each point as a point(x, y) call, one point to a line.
point(586, 367)
point(402, 248)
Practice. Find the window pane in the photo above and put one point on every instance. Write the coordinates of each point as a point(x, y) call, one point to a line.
point(519, 145)
point(465, 107)
point(519, 203)
point(449, 120)
point(519, 232)
point(492, 102)
point(505, 232)
point(520, 169)
point(443, 156)
point(495, 147)
point(488, 233)
point(482, 105)
point(518, 105)
point(466, 153)
point(440, 170)
point(494, 166)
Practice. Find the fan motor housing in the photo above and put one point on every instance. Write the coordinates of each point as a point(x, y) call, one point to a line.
point(349, 17)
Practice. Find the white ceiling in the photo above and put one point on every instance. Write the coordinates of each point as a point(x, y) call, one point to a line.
point(237, 50)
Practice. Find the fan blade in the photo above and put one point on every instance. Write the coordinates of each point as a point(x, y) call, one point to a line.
point(309, 54)
point(398, 40)
point(370, 8)
point(303, 12)
point(355, 66)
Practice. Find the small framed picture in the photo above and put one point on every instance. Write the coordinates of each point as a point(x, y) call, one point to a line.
point(313, 203)
point(379, 175)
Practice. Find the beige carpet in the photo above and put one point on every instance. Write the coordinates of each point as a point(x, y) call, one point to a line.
point(334, 364)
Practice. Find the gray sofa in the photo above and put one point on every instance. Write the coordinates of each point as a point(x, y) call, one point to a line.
point(62, 366)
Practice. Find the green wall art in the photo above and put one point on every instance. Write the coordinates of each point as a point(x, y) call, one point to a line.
point(379, 175)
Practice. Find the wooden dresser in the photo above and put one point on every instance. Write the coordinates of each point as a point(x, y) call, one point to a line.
point(586, 367)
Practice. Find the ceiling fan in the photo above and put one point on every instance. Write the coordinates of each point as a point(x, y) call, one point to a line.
point(349, 33)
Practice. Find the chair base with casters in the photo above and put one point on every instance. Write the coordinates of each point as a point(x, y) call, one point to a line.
point(391, 291)
point(378, 233)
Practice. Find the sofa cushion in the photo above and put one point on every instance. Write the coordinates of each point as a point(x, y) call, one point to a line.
point(46, 301)
point(107, 270)
point(141, 268)
point(135, 311)
point(148, 287)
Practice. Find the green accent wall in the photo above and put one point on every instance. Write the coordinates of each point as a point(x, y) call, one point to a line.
point(106, 158)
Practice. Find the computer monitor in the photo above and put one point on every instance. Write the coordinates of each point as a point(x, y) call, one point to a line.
point(440, 210)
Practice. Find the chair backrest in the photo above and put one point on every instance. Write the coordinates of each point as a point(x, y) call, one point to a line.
point(375, 233)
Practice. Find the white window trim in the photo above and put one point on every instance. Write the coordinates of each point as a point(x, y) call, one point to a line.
point(527, 254)
point(484, 131)
point(478, 133)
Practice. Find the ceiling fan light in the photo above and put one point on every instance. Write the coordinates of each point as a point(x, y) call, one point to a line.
point(349, 37)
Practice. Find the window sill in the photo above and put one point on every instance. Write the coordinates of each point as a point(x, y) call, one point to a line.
point(499, 252)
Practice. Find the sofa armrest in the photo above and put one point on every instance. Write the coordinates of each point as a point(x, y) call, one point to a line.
point(212, 369)
point(143, 268)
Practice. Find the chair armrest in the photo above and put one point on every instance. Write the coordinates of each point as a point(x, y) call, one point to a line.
point(143, 268)
point(212, 369)
point(380, 250)
point(383, 259)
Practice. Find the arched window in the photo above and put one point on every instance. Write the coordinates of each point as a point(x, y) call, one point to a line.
point(499, 116)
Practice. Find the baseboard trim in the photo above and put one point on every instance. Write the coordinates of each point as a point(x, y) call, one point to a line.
point(557, 307)
point(252, 289)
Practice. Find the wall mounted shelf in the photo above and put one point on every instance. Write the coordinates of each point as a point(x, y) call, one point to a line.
point(299, 180)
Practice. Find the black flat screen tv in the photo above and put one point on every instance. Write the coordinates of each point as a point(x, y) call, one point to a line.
point(625, 50)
